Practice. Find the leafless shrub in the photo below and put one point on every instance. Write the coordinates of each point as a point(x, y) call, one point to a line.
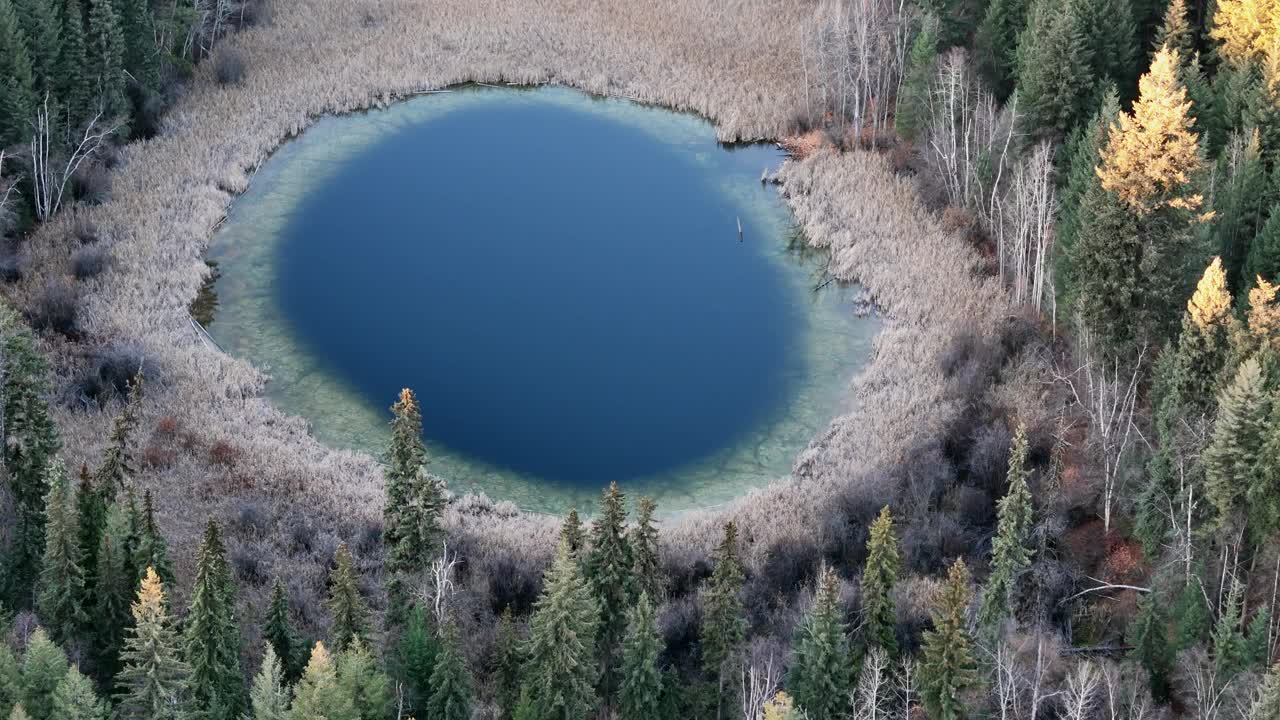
point(678, 623)
point(57, 309)
point(89, 262)
point(229, 67)
point(91, 183)
point(224, 454)
point(11, 262)
point(250, 519)
point(249, 566)
point(111, 375)
point(51, 170)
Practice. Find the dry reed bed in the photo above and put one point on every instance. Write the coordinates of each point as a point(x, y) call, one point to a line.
point(737, 63)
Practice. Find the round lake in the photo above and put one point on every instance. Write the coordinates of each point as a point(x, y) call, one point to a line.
point(579, 291)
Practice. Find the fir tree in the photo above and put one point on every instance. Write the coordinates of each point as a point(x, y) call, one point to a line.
point(1175, 30)
point(643, 540)
point(1231, 458)
point(913, 99)
point(61, 577)
point(1084, 153)
point(17, 92)
point(105, 57)
point(948, 668)
point(91, 511)
point(113, 579)
point(1264, 252)
point(1229, 648)
point(117, 469)
point(819, 675)
point(74, 698)
point(1240, 204)
point(44, 665)
point(450, 679)
point(212, 642)
point(1054, 83)
point(419, 647)
point(1266, 703)
point(363, 681)
point(879, 574)
point(640, 692)
point(1149, 642)
point(507, 661)
point(318, 695)
point(560, 659)
point(278, 633)
point(417, 535)
point(73, 87)
point(153, 551)
point(724, 623)
point(1191, 615)
point(346, 604)
point(1257, 641)
point(31, 441)
point(609, 570)
point(1010, 556)
point(997, 42)
point(572, 534)
point(269, 697)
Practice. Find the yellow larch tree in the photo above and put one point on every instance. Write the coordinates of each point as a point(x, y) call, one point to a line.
point(1152, 154)
point(1246, 29)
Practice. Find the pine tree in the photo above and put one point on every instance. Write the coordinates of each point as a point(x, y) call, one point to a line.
point(560, 659)
point(724, 623)
point(269, 696)
point(948, 667)
point(61, 577)
point(1245, 29)
point(153, 683)
point(74, 698)
point(17, 91)
point(997, 42)
point(819, 675)
point(450, 679)
point(73, 87)
point(609, 570)
point(1231, 458)
point(913, 99)
point(643, 540)
point(506, 664)
point(1149, 642)
point(31, 441)
point(879, 574)
point(640, 692)
point(212, 641)
point(1240, 204)
point(363, 681)
point(105, 59)
point(1054, 79)
point(572, 534)
point(419, 647)
point(1266, 704)
point(1010, 556)
point(278, 633)
point(44, 665)
point(346, 604)
point(318, 695)
point(1229, 649)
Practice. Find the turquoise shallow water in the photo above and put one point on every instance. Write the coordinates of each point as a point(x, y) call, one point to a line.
point(562, 280)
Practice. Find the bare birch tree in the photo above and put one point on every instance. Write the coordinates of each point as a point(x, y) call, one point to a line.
point(1024, 228)
point(51, 174)
point(872, 696)
point(1080, 697)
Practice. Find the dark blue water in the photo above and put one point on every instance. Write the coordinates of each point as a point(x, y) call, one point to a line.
point(567, 295)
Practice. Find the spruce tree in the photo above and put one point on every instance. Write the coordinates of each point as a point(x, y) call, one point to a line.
point(640, 691)
point(31, 441)
point(113, 580)
point(997, 42)
point(1084, 153)
point(609, 571)
point(561, 667)
point(1229, 648)
point(44, 665)
point(912, 110)
point(118, 469)
point(879, 574)
point(75, 699)
point(1257, 641)
point(724, 623)
point(572, 534)
point(419, 647)
point(73, 87)
point(346, 604)
point(269, 697)
point(416, 537)
point(1190, 615)
point(278, 633)
point(318, 695)
point(506, 664)
point(105, 60)
point(1010, 556)
point(1266, 703)
point(1149, 643)
point(1054, 82)
point(948, 668)
point(363, 681)
point(405, 458)
point(1240, 203)
point(91, 511)
point(450, 679)
point(141, 58)
point(212, 641)
point(1231, 459)
point(1264, 251)
point(17, 92)
point(62, 589)
point(153, 551)
point(819, 675)
point(643, 540)
point(40, 27)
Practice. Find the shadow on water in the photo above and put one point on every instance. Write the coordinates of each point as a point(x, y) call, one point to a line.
point(579, 289)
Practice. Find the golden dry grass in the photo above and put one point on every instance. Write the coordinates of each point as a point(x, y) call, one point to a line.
point(736, 62)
